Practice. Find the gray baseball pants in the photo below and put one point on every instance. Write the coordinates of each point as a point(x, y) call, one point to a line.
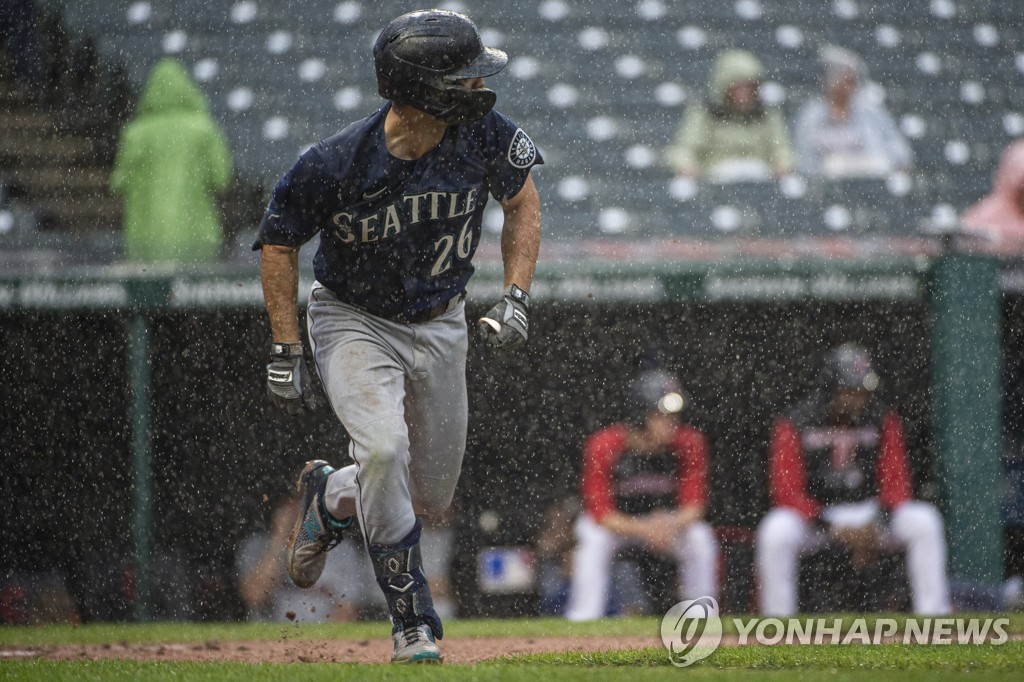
point(400, 391)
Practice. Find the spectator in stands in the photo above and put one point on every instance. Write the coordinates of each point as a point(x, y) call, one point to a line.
point(644, 485)
point(732, 135)
point(846, 132)
point(838, 472)
point(999, 216)
point(171, 162)
point(268, 593)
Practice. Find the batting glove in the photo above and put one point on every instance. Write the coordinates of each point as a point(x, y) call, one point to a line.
point(287, 379)
point(506, 324)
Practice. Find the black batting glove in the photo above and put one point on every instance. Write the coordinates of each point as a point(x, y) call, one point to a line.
point(506, 325)
point(288, 382)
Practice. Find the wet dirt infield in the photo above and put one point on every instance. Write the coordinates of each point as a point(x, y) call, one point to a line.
point(466, 650)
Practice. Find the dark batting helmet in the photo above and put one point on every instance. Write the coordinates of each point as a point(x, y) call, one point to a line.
point(848, 367)
point(654, 390)
point(420, 56)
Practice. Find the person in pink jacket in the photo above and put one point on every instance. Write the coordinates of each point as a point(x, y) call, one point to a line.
point(999, 216)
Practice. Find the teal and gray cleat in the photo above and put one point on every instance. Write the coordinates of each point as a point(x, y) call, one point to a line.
point(416, 645)
point(315, 533)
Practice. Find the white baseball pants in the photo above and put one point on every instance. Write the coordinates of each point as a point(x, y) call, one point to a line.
point(915, 526)
point(400, 392)
point(696, 554)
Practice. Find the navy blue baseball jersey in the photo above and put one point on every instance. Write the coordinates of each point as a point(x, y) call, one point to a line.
point(397, 237)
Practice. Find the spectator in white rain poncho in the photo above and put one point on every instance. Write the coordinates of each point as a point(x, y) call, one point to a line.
point(847, 131)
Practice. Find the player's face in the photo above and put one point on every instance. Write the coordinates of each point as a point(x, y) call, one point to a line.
point(743, 95)
point(849, 403)
point(844, 86)
point(472, 83)
point(661, 428)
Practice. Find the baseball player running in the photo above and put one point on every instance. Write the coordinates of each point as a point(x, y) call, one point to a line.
point(397, 199)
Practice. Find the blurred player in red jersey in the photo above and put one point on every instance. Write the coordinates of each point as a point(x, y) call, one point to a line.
point(838, 472)
point(644, 484)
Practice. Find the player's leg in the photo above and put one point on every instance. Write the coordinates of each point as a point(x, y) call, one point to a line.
point(697, 557)
point(374, 370)
point(436, 413)
point(918, 527)
point(360, 361)
point(437, 410)
point(780, 538)
point(591, 570)
point(315, 531)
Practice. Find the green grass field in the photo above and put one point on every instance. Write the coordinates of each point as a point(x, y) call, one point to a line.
point(907, 663)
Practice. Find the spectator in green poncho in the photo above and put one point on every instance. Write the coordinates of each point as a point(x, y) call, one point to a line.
point(733, 134)
point(171, 162)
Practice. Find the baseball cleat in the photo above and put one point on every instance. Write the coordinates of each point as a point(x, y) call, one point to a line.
point(315, 533)
point(416, 645)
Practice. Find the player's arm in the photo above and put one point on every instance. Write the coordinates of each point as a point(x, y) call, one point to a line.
point(788, 481)
point(506, 324)
point(520, 235)
point(287, 377)
point(692, 449)
point(288, 223)
point(279, 275)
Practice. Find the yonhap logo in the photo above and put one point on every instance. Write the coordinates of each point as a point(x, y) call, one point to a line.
point(691, 631)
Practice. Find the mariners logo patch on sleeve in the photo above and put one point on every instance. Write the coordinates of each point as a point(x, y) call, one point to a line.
point(522, 152)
